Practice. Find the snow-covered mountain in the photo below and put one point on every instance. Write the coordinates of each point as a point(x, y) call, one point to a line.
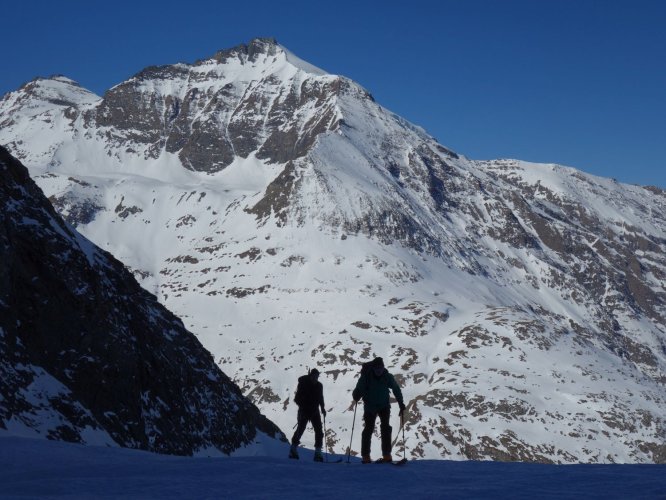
point(291, 221)
point(89, 356)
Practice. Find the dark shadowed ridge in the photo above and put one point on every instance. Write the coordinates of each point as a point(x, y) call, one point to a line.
point(88, 356)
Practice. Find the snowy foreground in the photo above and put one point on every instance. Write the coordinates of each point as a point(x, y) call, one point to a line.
point(31, 468)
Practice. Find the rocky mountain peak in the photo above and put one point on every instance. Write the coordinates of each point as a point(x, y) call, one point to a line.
point(252, 98)
point(40, 94)
point(249, 51)
point(271, 51)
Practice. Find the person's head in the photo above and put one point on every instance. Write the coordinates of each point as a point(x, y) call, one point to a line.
point(378, 366)
point(314, 374)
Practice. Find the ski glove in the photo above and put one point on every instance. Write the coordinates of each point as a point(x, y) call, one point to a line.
point(323, 412)
point(402, 407)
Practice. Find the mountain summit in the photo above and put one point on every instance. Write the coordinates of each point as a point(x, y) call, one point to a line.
point(290, 220)
point(247, 100)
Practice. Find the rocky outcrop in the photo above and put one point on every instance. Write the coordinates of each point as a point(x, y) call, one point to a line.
point(89, 356)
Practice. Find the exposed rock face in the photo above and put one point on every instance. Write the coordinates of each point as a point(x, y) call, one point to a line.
point(290, 220)
point(89, 356)
point(209, 116)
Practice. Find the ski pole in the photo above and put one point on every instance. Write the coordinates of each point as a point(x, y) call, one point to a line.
point(352, 432)
point(404, 443)
point(325, 440)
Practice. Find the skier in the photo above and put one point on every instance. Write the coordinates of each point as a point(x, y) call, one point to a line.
point(373, 386)
point(309, 398)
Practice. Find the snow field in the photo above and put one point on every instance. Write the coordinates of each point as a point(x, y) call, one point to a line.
point(45, 469)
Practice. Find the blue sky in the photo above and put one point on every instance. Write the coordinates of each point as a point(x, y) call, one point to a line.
point(580, 83)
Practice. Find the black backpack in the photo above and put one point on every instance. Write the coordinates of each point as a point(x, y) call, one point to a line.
point(304, 390)
point(366, 367)
point(369, 365)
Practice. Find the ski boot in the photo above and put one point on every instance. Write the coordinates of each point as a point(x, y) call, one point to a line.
point(293, 452)
point(318, 457)
point(386, 459)
point(366, 459)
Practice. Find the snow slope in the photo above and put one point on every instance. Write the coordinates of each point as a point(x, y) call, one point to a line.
point(291, 221)
point(41, 469)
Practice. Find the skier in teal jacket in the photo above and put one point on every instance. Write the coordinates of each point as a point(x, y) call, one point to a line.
point(373, 386)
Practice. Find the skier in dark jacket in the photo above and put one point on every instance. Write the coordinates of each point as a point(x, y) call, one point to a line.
point(373, 386)
point(309, 398)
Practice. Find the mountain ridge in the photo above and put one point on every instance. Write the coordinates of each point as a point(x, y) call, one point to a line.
point(89, 356)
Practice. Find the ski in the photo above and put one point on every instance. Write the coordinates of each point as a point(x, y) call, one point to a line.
point(402, 461)
point(336, 461)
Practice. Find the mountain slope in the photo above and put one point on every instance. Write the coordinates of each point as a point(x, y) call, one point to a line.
point(290, 220)
point(89, 356)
